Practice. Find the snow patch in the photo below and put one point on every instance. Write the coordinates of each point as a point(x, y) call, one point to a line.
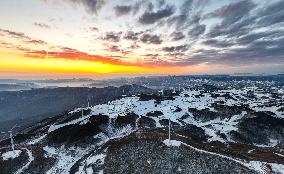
point(66, 157)
point(100, 158)
point(121, 132)
point(169, 143)
point(89, 170)
point(11, 154)
point(96, 159)
point(36, 140)
point(279, 154)
point(277, 168)
point(257, 166)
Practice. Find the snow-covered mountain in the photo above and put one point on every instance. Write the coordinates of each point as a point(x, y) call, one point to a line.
point(212, 130)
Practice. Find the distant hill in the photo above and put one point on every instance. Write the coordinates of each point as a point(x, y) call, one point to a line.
point(26, 107)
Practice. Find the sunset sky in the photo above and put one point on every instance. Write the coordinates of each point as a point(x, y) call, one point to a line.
point(109, 38)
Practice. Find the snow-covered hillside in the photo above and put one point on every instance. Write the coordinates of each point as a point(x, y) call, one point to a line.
point(244, 127)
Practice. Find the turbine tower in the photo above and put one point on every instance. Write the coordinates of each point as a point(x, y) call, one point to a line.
point(10, 132)
point(169, 129)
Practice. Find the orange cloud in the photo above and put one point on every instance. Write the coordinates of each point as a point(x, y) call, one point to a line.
point(72, 54)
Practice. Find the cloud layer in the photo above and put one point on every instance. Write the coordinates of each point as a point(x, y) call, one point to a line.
point(182, 33)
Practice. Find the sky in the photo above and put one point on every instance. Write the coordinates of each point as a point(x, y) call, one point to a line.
point(118, 38)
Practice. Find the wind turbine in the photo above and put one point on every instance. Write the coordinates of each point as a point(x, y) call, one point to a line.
point(11, 136)
point(82, 112)
point(88, 101)
point(88, 104)
point(169, 129)
point(161, 91)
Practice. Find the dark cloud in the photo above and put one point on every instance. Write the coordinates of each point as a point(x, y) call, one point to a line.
point(152, 59)
point(150, 6)
point(112, 36)
point(36, 42)
point(134, 46)
point(13, 46)
point(180, 48)
point(190, 14)
point(155, 60)
point(125, 52)
point(259, 51)
point(186, 7)
point(92, 6)
point(151, 39)
point(41, 25)
point(218, 43)
point(122, 9)
point(114, 48)
point(239, 19)
point(276, 7)
point(151, 55)
point(94, 29)
point(22, 37)
point(237, 39)
point(137, 6)
point(175, 36)
point(244, 33)
point(195, 19)
point(201, 3)
point(130, 35)
point(182, 18)
point(269, 35)
point(176, 56)
point(196, 31)
point(16, 35)
point(152, 17)
point(237, 29)
point(233, 12)
point(178, 20)
point(272, 19)
point(236, 19)
point(205, 51)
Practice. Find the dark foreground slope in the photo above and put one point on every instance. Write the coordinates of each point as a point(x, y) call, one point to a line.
point(148, 154)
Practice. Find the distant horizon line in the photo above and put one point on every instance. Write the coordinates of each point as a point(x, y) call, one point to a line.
point(32, 78)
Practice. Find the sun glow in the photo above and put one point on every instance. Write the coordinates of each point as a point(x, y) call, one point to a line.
point(12, 61)
point(16, 62)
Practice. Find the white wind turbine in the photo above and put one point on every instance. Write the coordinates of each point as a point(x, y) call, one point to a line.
point(88, 102)
point(10, 132)
point(169, 129)
point(82, 110)
point(161, 91)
